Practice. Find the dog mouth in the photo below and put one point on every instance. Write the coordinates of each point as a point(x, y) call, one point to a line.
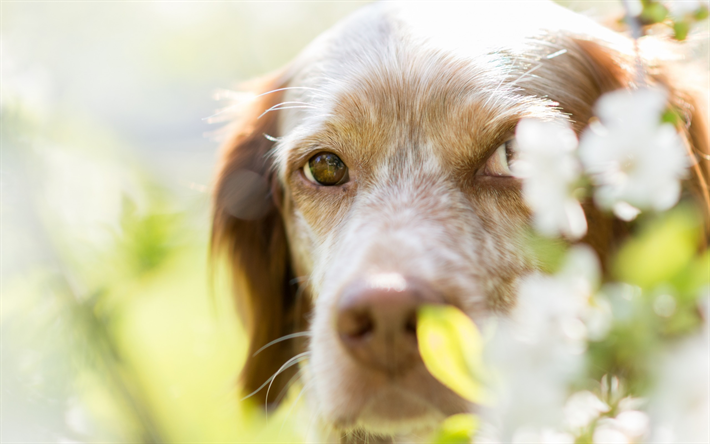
point(397, 408)
point(393, 411)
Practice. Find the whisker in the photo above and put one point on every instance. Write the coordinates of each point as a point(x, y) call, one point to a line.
point(555, 54)
point(296, 359)
point(292, 381)
point(299, 280)
point(279, 108)
point(344, 436)
point(282, 338)
point(527, 73)
point(291, 102)
point(224, 93)
point(288, 364)
point(271, 138)
point(288, 88)
point(493, 95)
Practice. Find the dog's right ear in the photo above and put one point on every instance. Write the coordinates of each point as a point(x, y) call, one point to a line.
point(248, 229)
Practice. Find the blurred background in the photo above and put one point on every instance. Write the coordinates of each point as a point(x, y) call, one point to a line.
point(111, 328)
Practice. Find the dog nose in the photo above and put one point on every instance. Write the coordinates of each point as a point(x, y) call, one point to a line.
point(377, 321)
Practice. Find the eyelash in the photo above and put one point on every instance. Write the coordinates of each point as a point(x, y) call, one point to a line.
point(496, 165)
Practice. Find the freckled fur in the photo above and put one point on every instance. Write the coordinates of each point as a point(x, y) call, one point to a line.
point(413, 110)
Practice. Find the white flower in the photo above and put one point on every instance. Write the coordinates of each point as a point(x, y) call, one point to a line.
point(558, 306)
point(627, 427)
point(533, 380)
point(582, 408)
point(635, 161)
point(549, 306)
point(680, 404)
point(537, 350)
point(608, 434)
point(543, 436)
point(549, 168)
point(633, 423)
point(634, 7)
point(581, 269)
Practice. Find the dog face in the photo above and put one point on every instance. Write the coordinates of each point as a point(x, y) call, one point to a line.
point(372, 176)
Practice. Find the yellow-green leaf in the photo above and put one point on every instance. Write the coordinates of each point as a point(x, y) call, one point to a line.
point(451, 347)
point(457, 429)
point(681, 29)
point(654, 13)
point(662, 249)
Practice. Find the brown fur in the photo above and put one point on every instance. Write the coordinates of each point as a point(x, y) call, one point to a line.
point(412, 122)
point(248, 228)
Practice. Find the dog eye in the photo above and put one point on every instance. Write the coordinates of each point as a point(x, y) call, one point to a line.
point(326, 169)
point(500, 162)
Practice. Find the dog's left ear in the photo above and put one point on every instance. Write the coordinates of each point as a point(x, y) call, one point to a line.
point(600, 69)
point(613, 70)
point(247, 227)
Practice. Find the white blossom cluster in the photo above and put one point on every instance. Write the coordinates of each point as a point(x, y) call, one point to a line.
point(635, 162)
point(547, 164)
point(680, 405)
point(632, 162)
point(538, 353)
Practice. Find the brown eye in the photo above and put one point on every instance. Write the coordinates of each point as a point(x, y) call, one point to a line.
point(326, 169)
point(501, 160)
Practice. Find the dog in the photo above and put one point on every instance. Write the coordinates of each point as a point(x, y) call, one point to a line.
point(372, 175)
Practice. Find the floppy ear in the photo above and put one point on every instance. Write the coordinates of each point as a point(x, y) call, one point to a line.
point(693, 128)
point(615, 70)
point(248, 228)
point(598, 69)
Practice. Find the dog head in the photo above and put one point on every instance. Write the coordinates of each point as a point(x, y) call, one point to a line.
point(372, 175)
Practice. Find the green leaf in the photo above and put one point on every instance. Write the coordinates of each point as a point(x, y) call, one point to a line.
point(671, 116)
point(457, 429)
point(451, 348)
point(681, 29)
point(701, 13)
point(653, 13)
point(661, 250)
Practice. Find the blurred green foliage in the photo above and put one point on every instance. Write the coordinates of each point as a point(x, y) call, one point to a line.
point(110, 330)
point(661, 250)
point(664, 276)
point(653, 11)
point(112, 327)
point(457, 429)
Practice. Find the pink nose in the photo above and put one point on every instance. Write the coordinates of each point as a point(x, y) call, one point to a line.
point(377, 321)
